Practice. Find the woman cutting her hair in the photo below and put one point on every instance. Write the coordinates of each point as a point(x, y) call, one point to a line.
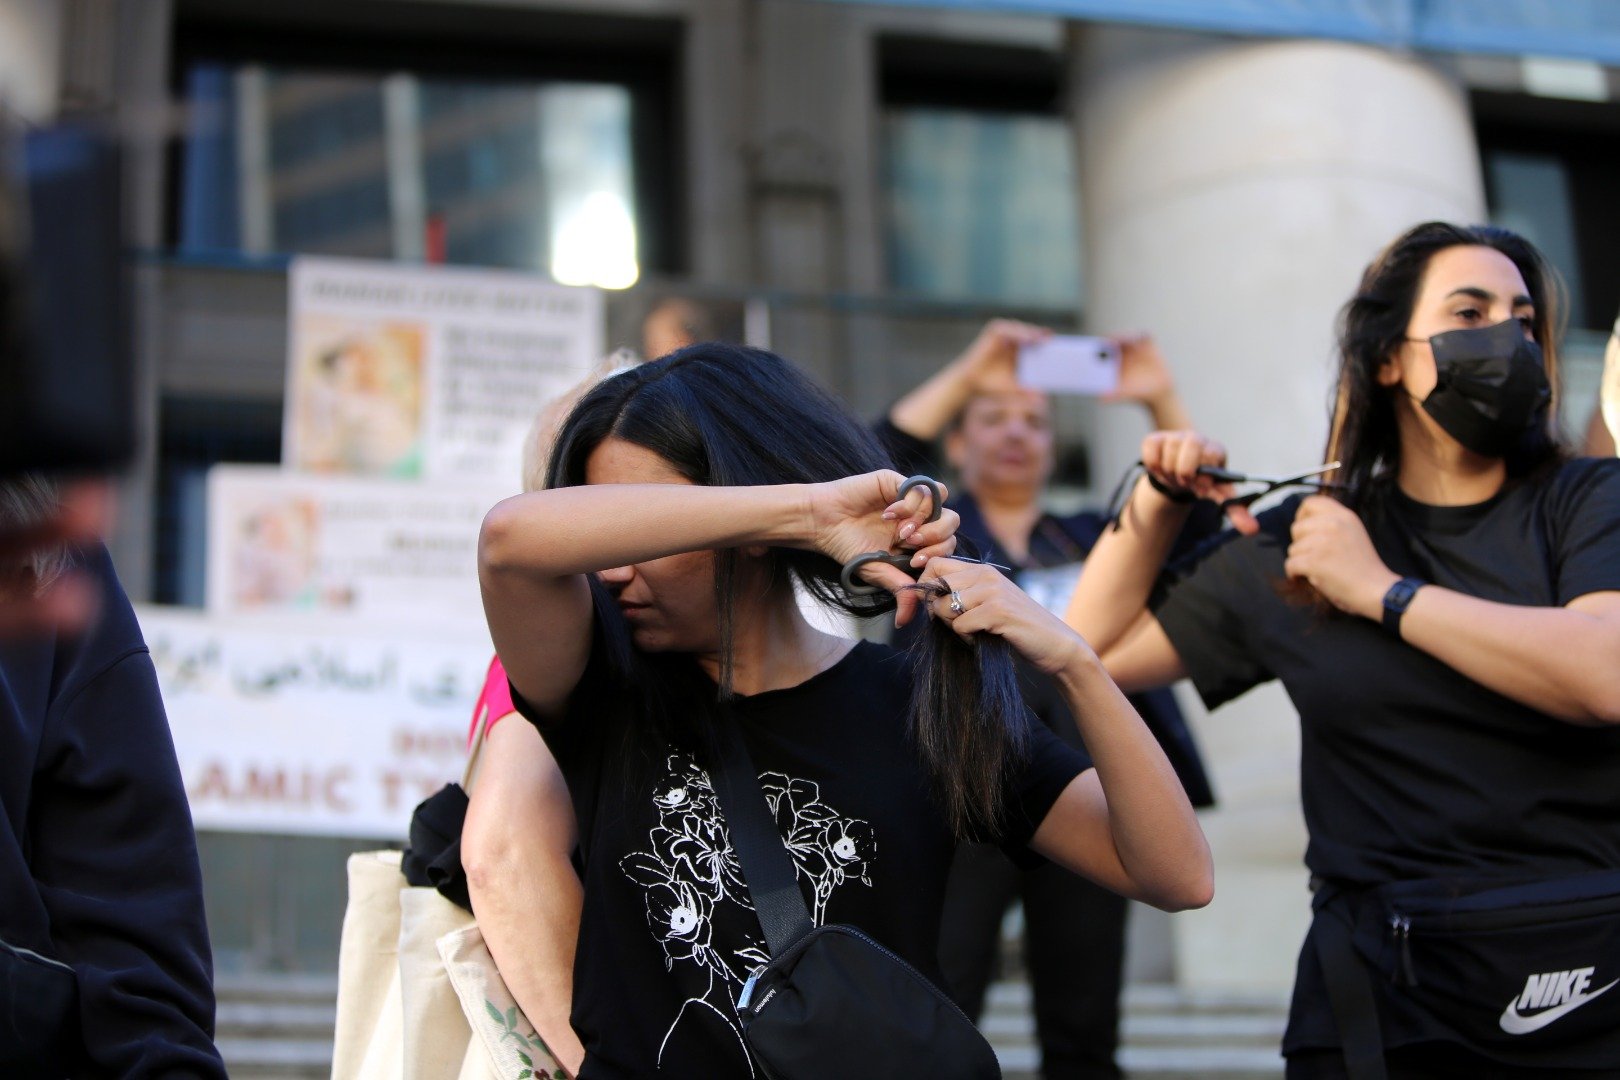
point(1447, 623)
point(647, 594)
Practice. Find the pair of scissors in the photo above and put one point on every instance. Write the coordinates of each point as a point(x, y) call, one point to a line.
point(1268, 483)
point(901, 560)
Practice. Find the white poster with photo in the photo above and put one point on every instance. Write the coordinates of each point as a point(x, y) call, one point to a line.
point(284, 729)
point(426, 372)
point(391, 552)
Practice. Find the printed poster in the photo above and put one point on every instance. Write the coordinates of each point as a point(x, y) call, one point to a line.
point(291, 729)
point(426, 372)
point(398, 553)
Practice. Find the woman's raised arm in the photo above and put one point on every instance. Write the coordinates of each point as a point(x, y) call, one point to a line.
point(535, 549)
point(1109, 605)
point(1125, 824)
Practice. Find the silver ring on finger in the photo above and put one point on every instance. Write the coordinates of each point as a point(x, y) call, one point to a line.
point(956, 603)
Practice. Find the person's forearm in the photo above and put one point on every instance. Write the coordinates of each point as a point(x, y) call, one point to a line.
point(1155, 831)
point(528, 903)
point(576, 530)
point(1119, 573)
point(1555, 660)
point(1168, 413)
point(927, 411)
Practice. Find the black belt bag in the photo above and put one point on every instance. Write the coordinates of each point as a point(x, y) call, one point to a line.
point(1526, 974)
point(831, 1002)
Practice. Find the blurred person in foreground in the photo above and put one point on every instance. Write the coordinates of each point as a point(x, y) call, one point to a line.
point(105, 967)
point(998, 437)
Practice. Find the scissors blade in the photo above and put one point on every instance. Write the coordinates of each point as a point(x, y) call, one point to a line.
point(1297, 478)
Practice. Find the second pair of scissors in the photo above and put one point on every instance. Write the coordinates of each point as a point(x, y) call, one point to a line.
point(1268, 483)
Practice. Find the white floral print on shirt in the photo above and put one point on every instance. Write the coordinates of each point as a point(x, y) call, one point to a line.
point(690, 872)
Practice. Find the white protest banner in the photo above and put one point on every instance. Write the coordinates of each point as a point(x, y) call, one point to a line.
point(387, 551)
point(292, 729)
point(413, 371)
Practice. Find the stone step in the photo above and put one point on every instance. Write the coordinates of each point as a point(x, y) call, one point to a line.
point(1023, 1063)
point(280, 1028)
point(277, 987)
point(276, 1058)
point(1166, 1033)
point(260, 1019)
point(276, 1026)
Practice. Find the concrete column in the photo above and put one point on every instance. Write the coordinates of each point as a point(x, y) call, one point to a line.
point(1231, 191)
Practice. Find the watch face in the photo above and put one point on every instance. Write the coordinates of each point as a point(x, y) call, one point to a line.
point(1400, 594)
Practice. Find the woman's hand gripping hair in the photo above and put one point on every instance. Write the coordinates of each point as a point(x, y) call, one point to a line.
point(865, 513)
point(975, 598)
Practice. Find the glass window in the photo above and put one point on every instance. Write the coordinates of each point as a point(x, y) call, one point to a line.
point(527, 177)
point(1530, 194)
point(1549, 169)
point(981, 205)
point(1549, 173)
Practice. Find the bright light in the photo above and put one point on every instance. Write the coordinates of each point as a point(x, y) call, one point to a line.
point(595, 244)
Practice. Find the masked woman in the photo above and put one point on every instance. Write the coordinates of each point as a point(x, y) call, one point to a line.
point(649, 590)
point(1447, 623)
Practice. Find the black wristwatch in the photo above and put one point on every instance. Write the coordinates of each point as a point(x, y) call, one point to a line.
point(1397, 600)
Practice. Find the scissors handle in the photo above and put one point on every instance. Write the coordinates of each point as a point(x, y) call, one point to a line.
point(847, 577)
point(935, 501)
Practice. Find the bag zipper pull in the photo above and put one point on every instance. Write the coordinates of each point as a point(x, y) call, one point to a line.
point(1401, 926)
point(748, 989)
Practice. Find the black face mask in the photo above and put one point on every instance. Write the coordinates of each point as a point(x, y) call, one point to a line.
point(1491, 386)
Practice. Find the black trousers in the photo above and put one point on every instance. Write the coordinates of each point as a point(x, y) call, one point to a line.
point(1074, 951)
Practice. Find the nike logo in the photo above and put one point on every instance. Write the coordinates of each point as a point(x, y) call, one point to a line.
point(1515, 1023)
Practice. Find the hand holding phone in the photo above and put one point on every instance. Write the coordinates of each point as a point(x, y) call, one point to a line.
point(1070, 364)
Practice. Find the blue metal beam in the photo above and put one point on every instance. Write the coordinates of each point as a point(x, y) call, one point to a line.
point(1580, 29)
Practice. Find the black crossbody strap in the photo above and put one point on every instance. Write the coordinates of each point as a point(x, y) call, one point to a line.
point(1350, 991)
point(766, 865)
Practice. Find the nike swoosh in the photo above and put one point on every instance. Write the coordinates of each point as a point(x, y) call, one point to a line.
point(1514, 1024)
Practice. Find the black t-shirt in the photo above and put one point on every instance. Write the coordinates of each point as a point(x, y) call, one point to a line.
point(667, 936)
point(1409, 769)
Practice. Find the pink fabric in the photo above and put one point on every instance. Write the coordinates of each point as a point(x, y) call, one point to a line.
point(496, 696)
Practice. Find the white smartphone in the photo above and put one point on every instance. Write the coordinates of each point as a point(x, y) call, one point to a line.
point(1069, 364)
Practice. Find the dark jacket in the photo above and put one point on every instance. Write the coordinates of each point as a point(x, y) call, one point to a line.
point(98, 860)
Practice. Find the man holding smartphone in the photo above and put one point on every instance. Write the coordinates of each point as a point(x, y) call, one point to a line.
point(997, 436)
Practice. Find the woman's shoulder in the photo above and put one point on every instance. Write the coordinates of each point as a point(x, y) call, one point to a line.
point(1571, 485)
point(1585, 471)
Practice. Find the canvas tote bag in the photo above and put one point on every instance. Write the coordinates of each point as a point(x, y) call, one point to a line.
point(419, 996)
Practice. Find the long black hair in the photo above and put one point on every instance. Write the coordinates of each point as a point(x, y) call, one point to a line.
point(1364, 435)
point(730, 416)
